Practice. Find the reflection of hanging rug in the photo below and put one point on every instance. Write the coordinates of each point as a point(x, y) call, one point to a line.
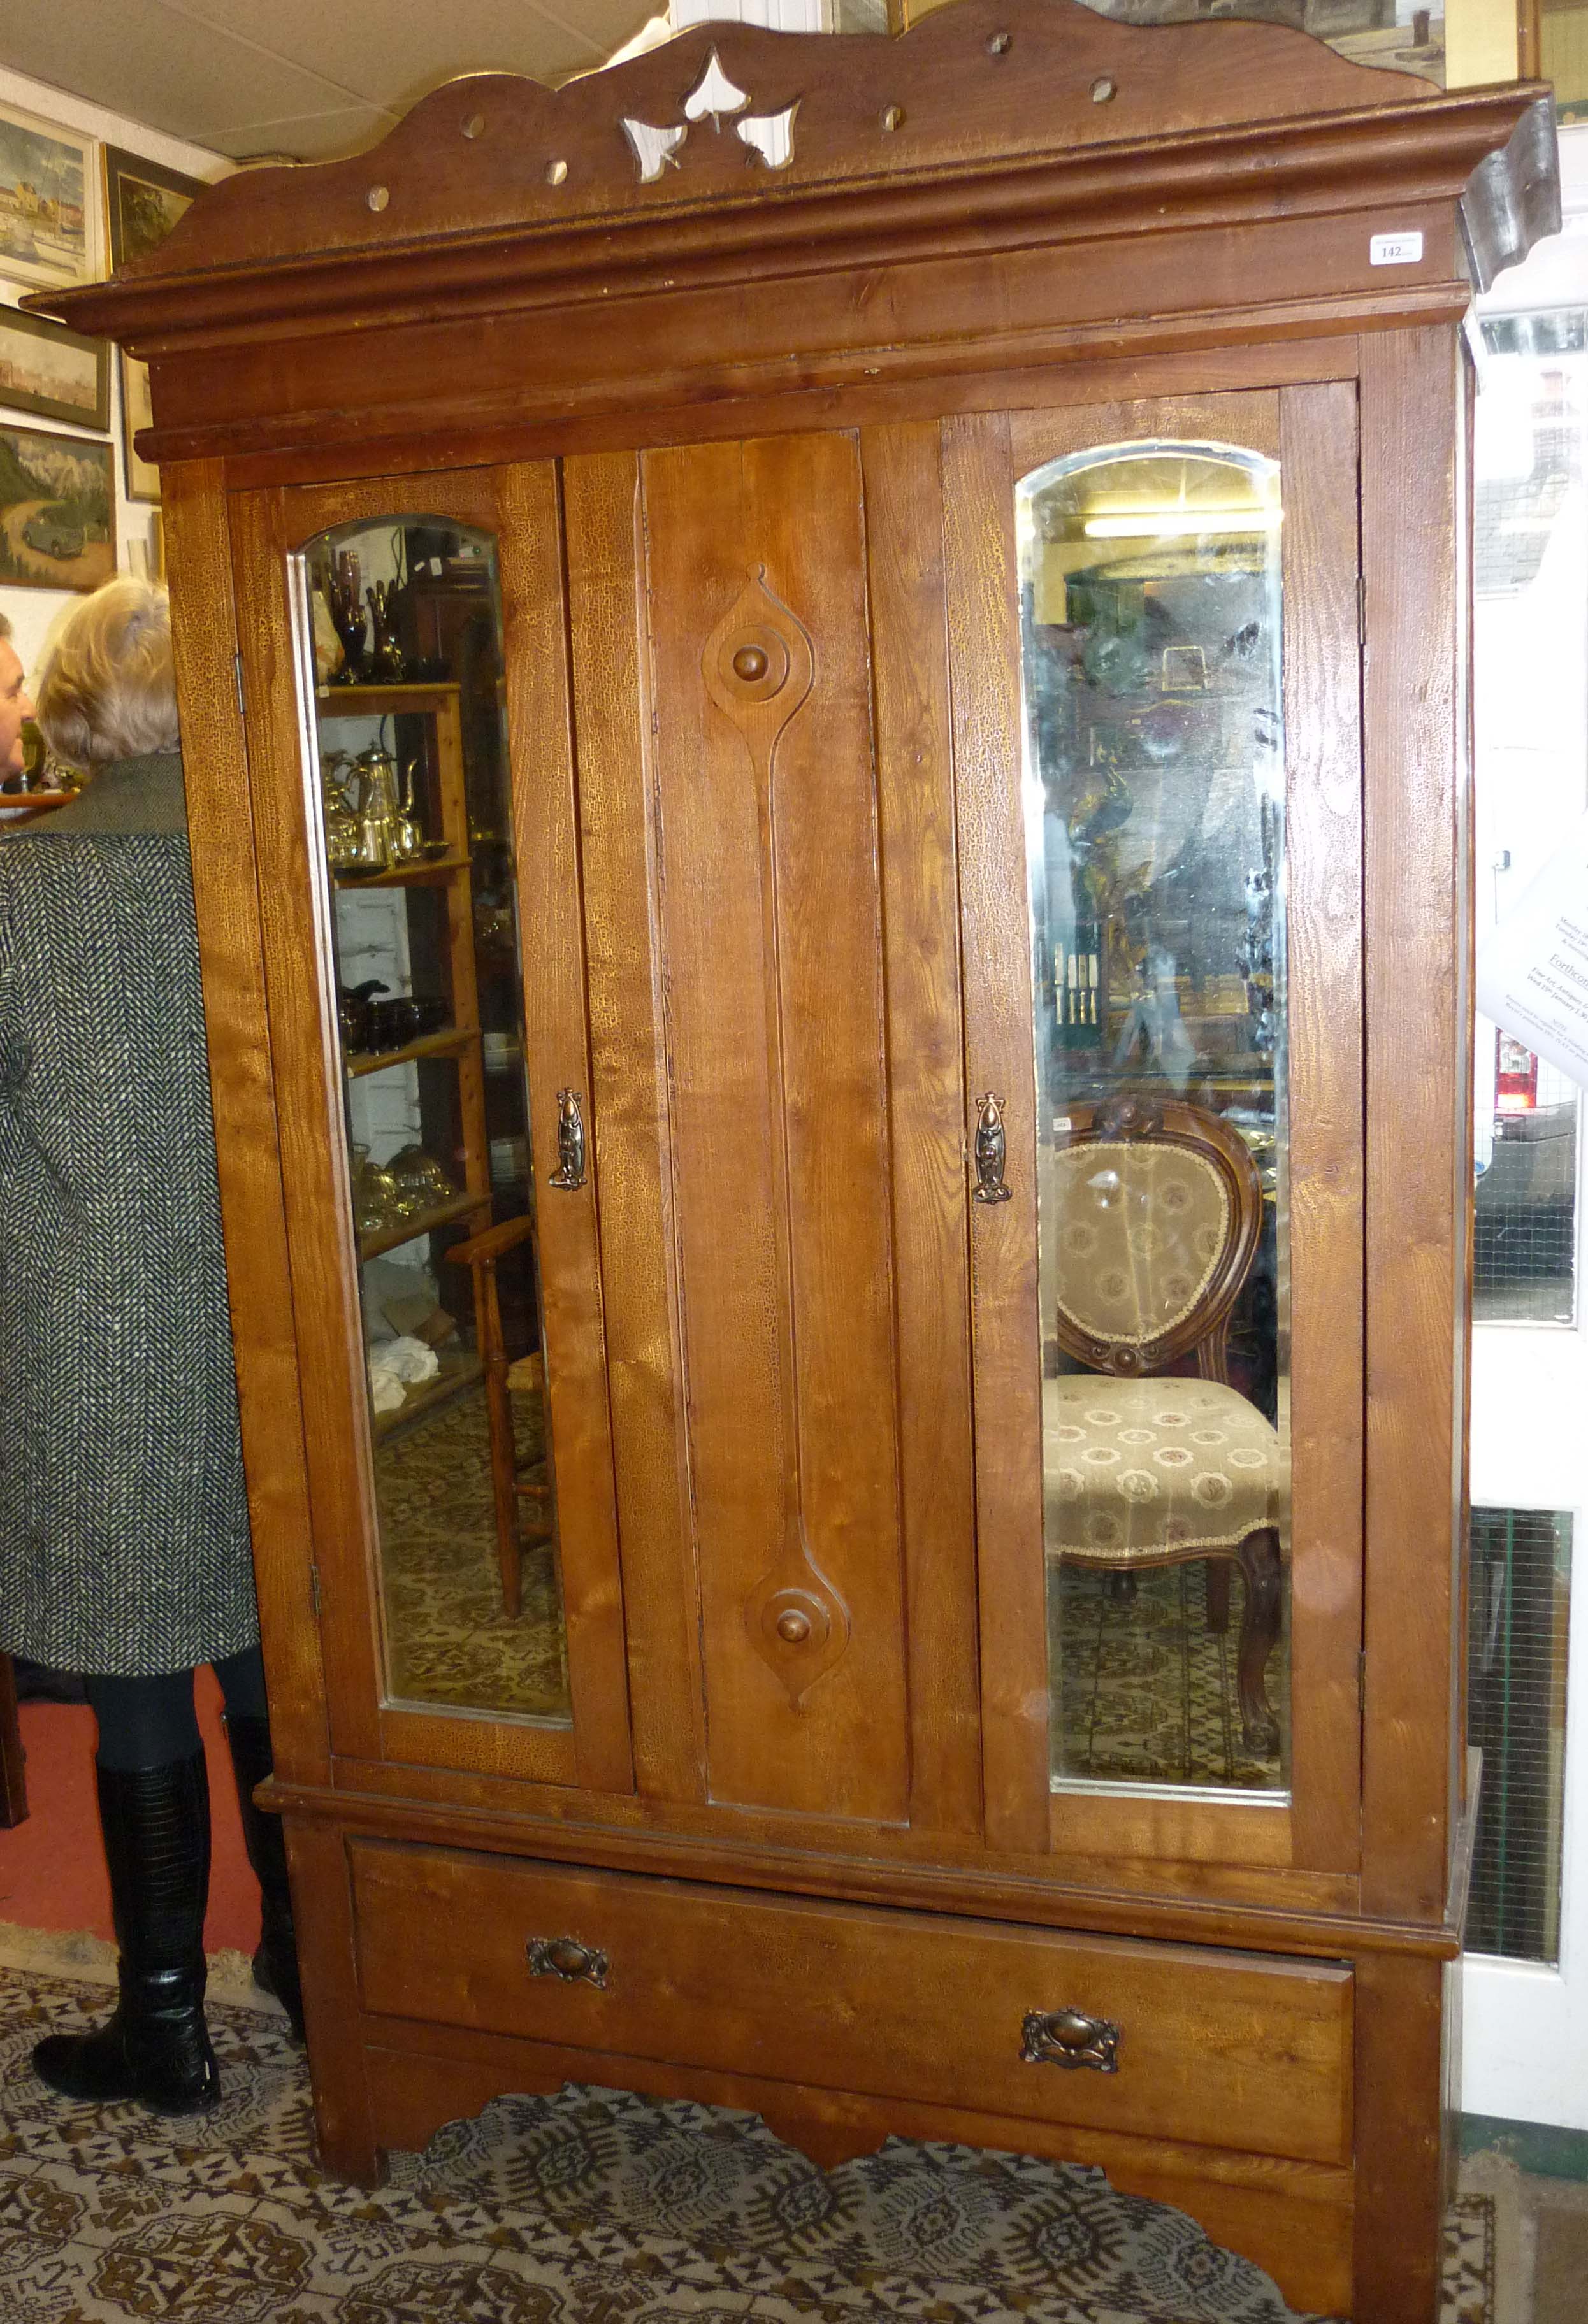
point(1147, 1691)
point(560, 2210)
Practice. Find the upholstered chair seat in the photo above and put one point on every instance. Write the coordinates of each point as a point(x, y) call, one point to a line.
point(1144, 1471)
point(1155, 1212)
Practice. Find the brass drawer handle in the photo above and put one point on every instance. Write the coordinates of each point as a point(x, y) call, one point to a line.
point(566, 1958)
point(1068, 2037)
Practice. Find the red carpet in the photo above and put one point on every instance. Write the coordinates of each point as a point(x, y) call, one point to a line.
point(52, 1871)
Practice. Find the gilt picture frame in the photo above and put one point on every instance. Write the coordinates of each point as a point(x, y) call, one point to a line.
point(143, 201)
point(54, 372)
point(140, 478)
point(48, 202)
point(57, 510)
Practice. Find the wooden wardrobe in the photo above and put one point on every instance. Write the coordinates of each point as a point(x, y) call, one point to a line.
point(953, 555)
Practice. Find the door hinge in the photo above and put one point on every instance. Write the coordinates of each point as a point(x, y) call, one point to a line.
point(238, 678)
point(1362, 1677)
point(1361, 609)
point(314, 1590)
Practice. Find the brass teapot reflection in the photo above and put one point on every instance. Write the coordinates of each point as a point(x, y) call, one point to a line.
point(408, 839)
point(377, 809)
point(370, 825)
point(341, 816)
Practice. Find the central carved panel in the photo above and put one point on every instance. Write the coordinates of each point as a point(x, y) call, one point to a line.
point(771, 950)
point(758, 666)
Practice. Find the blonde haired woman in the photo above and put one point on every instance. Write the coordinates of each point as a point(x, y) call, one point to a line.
point(124, 1527)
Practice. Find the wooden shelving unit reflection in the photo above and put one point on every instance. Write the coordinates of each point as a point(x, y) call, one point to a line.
point(370, 1246)
point(445, 816)
point(447, 1042)
point(429, 874)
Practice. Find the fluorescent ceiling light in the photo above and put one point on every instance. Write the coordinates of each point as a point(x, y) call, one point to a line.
point(1158, 524)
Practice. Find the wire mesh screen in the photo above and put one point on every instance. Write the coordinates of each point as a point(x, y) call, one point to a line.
point(1524, 1246)
point(1515, 1716)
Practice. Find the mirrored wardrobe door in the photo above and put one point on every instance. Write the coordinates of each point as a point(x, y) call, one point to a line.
point(1168, 1144)
point(415, 805)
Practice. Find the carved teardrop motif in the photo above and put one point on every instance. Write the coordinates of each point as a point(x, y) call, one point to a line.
point(798, 1623)
point(758, 666)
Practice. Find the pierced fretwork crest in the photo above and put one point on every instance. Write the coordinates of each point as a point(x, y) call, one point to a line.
point(768, 137)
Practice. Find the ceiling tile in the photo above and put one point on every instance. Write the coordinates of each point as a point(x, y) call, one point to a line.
point(298, 77)
point(394, 53)
point(143, 59)
point(305, 136)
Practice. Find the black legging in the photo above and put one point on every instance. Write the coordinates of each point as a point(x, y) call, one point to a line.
point(148, 1722)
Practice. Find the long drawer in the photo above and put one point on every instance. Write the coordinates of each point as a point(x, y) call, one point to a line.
point(1243, 2050)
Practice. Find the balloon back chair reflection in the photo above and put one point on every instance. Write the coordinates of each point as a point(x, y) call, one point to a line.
point(1157, 1211)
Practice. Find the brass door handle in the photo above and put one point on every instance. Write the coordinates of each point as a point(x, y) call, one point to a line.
point(569, 1172)
point(990, 1151)
point(1068, 2037)
point(567, 1958)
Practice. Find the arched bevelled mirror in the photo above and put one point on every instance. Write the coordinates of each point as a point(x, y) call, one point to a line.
point(1154, 784)
point(404, 624)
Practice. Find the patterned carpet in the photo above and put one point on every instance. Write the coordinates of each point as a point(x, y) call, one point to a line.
point(1469, 2288)
point(589, 2207)
point(447, 1637)
point(585, 2208)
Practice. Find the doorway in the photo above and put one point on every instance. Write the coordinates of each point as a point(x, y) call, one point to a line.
point(1525, 1978)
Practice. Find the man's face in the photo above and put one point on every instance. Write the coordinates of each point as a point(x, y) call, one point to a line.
point(14, 707)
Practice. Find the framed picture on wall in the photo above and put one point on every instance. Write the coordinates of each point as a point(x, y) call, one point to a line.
point(47, 201)
point(143, 202)
point(46, 369)
point(141, 476)
point(57, 511)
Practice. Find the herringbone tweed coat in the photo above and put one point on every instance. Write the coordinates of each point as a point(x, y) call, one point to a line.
point(124, 1527)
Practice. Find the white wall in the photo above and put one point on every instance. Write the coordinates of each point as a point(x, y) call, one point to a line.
point(32, 611)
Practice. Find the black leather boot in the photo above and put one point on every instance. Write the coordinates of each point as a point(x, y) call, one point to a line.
point(156, 2047)
point(276, 1964)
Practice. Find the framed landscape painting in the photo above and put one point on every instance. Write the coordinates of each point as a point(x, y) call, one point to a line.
point(143, 202)
point(47, 205)
point(142, 477)
point(46, 369)
point(57, 511)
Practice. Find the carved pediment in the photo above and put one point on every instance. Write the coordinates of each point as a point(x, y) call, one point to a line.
point(708, 117)
point(855, 205)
